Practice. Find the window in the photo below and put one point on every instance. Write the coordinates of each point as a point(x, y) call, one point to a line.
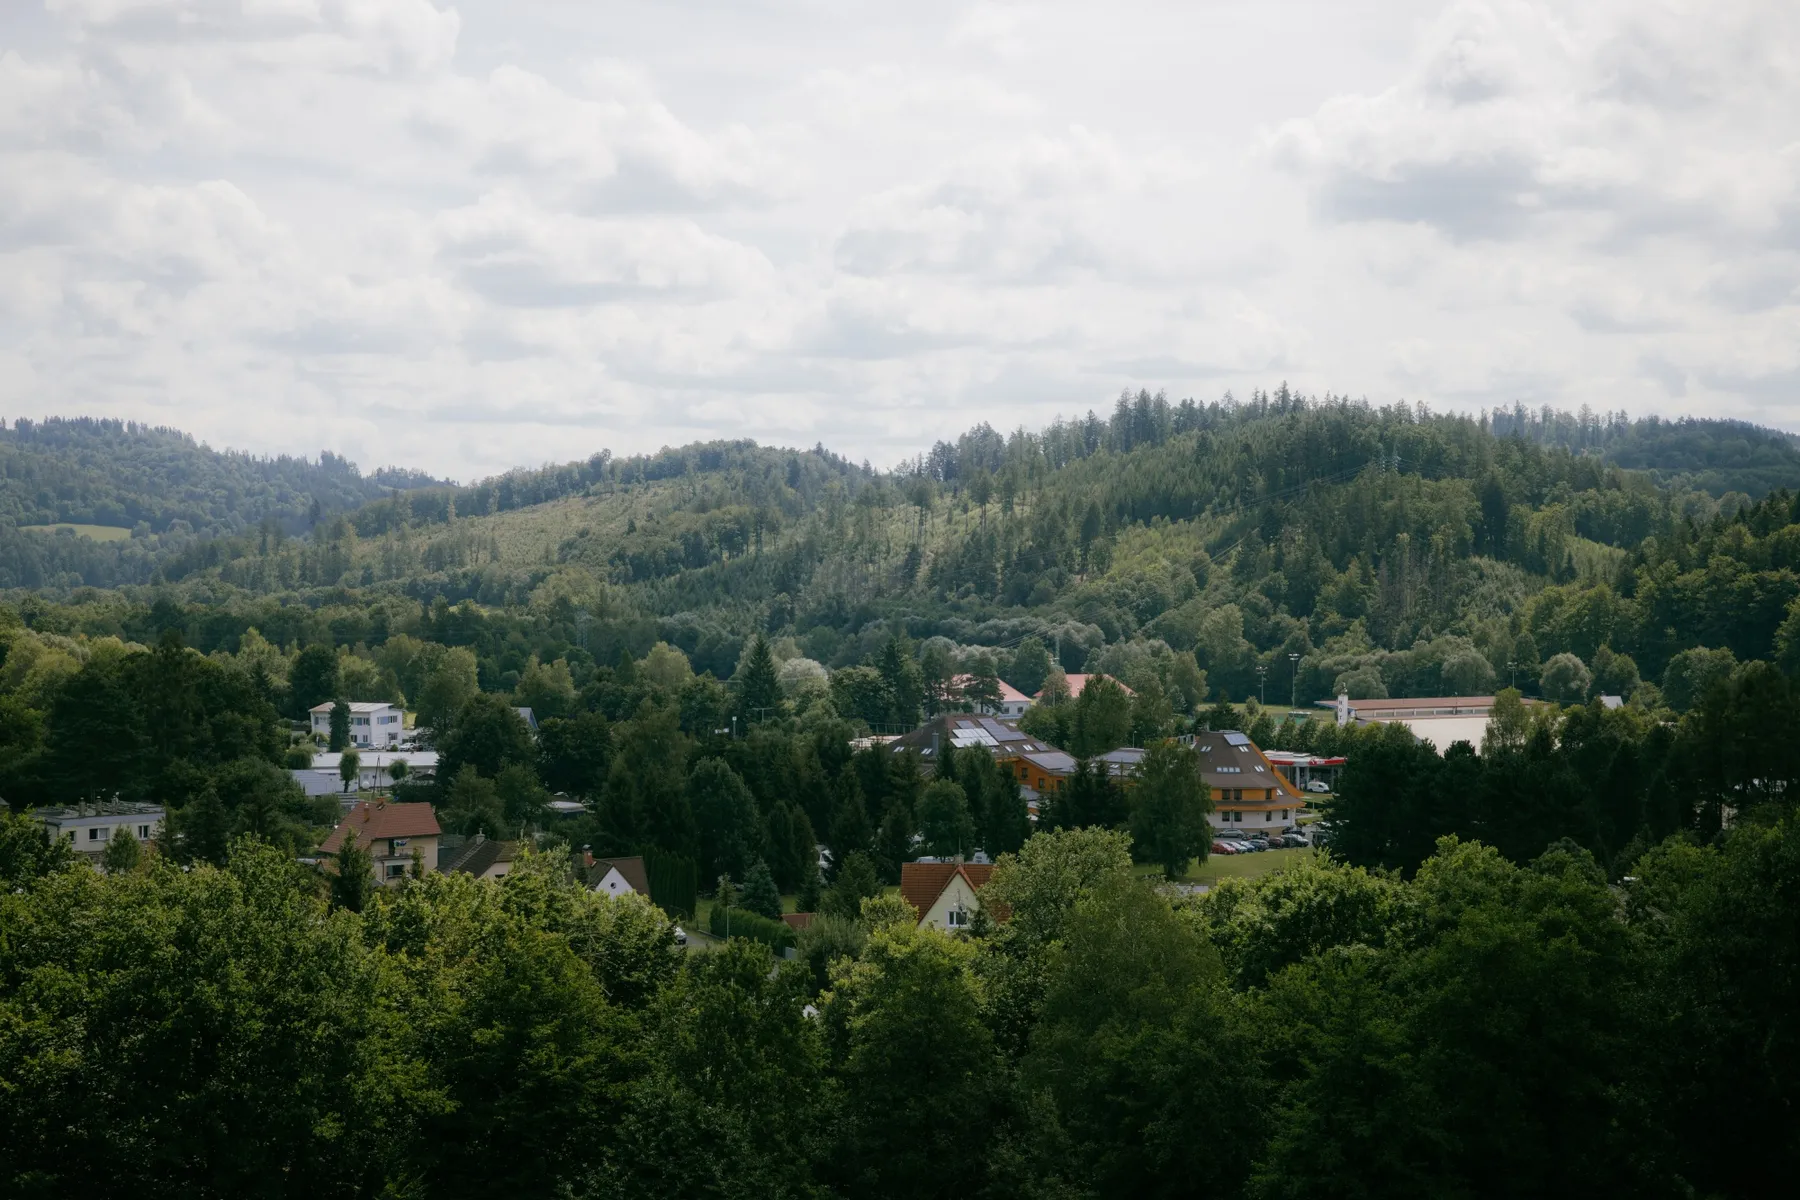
point(1284, 814)
point(956, 918)
point(96, 835)
point(143, 831)
point(1259, 768)
point(396, 870)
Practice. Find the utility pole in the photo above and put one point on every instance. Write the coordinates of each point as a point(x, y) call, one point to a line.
point(1294, 696)
point(1513, 667)
point(1262, 683)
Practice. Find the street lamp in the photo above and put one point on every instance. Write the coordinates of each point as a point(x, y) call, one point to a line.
point(1294, 697)
point(1262, 683)
point(1513, 667)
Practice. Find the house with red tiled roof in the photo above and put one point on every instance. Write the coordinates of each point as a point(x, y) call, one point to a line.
point(945, 894)
point(390, 833)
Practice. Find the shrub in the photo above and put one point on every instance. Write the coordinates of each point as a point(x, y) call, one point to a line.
point(774, 934)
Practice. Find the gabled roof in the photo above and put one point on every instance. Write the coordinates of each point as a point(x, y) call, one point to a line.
point(630, 869)
point(922, 883)
point(997, 735)
point(478, 854)
point(373, 822)
point(1228, 759)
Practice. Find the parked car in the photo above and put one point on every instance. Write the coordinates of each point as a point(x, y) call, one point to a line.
point(1223, 848)
point(1244, 847)
point(680, 936)
point(1318, 785)
point(1259, 843)
point(1295, 841)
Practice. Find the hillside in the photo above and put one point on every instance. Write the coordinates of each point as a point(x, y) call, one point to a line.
point(1377, 544)
point(160, 489)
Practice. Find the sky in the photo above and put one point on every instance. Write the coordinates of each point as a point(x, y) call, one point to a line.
point(486, 235)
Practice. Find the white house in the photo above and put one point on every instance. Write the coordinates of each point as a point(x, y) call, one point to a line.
point(371, 724)
point(616, 876)
point(943, 893)
point(91, 826)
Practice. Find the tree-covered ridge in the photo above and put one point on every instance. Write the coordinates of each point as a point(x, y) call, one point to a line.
point(1382, 546)
point(170, 492)
point(103, 472)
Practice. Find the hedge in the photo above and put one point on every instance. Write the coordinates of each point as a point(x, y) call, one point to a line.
point(774, 934)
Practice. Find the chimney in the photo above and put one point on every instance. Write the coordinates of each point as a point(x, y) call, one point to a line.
point(587, 856)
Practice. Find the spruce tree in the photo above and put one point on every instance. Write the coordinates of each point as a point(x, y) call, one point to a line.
point(851, 832)
point(760, 893)
point(759, 689)
point(856, 880)
point(353, 877)
point(894, 841)
point(122, 851)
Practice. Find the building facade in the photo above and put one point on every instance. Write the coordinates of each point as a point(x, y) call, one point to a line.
point(371, 725)
point(89, 827)
point(391, 833)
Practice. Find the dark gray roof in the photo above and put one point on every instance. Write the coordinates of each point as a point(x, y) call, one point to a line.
point(477, 855)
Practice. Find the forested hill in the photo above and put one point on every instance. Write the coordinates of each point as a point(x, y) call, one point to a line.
point(1714, 456)
point(122, 474)
point(159, 489)
point(1380, 545)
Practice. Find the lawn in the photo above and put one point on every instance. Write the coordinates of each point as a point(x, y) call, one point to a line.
point(1219, 867)
point(100, 533)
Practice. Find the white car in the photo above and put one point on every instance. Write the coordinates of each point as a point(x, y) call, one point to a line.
point(1317, 785)
point(680, 936)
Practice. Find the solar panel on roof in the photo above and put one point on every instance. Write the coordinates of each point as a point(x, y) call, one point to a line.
point(1236, 739)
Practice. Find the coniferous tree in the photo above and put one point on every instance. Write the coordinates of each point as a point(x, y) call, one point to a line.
point(759, 686)
point(353, 875)
point(944, 820)
point(761, 896)
point(122, 851)
point(851, 832)
point(856, 881)
point(338, 737)
point(312, 680)
point(725, 818)
point(204, 828)
point(894, 840)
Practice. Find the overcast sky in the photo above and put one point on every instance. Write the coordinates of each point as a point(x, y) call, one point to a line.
point(494, 234)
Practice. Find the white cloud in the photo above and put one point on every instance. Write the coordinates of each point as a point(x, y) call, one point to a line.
point(474, 236)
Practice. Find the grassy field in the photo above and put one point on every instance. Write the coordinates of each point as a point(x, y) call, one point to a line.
point(100, 533)
point(1219, 867)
